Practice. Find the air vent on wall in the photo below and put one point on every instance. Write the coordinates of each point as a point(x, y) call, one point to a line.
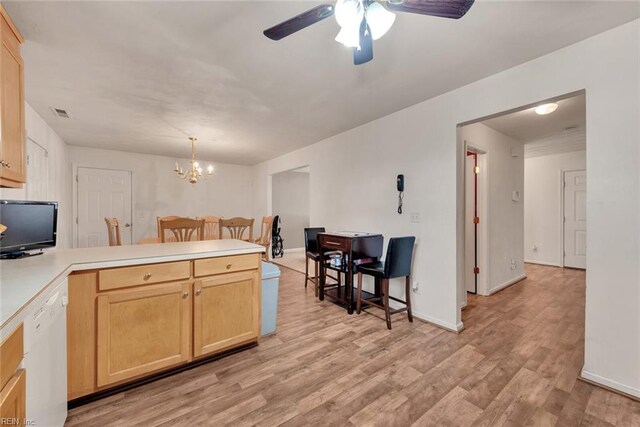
point(59, 112)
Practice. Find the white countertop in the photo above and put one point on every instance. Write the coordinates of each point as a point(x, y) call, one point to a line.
point(21, 280)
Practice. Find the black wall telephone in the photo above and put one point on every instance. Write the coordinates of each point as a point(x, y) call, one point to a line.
point(400, 186)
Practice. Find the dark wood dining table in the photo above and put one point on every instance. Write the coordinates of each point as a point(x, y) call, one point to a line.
point(353, 249)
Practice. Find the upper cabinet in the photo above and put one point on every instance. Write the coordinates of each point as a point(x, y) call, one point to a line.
point(12, 142)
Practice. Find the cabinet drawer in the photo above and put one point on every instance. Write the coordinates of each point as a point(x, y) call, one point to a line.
point(334, 243)
point(11, 352)
point(228, 264)
point(116, 278)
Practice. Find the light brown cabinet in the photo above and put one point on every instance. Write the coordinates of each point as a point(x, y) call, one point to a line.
point(12, 114)
point(141, 330)
point(223, 312)
point(121, 327)
point(13, 399)
point(12, 380)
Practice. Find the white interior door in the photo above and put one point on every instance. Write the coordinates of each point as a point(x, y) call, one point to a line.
point(37, 186)
point(575, 219)
point(102, 193)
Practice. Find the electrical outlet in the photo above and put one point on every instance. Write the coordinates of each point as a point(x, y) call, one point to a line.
point(415, 217)
point(513, 264)
point(534, 248)
point(415, 286)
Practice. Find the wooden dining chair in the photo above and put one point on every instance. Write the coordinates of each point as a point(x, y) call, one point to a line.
point(236, 228)
point(164, 218)
point(211, 227)
point(183, 229)
point(265, 235)
point(113, 228)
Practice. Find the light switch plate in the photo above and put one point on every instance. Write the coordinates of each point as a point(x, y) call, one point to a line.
point(415, 217)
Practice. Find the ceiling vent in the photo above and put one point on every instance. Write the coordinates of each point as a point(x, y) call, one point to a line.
point(59, 112)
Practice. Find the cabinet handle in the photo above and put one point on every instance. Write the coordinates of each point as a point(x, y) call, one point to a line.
point(228, 266)
point(198, 292)
point(185, 294)
point(147, 276)
point(5, 164)
point(332, 243)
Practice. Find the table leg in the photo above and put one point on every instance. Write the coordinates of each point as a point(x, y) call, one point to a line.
point(323, 275)
point(348, 288)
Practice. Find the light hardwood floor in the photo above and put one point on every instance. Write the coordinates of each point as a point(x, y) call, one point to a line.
point(516, 363)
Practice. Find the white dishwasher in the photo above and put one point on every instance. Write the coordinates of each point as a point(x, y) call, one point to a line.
point(45, 358)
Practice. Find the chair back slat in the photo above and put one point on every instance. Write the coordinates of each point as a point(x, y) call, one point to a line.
point(211, 227)
point(237, 227)
point(399, 257)
point(311, 238)
point(113, 228)
point(183, 229)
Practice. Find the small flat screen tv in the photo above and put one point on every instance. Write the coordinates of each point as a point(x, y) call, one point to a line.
point(27, 225)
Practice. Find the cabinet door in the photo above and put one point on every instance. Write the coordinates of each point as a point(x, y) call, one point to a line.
point(13, 400)
point(12, 150)
point(226, 312)
point(142, 330)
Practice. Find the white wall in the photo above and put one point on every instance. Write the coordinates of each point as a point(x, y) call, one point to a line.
point(291, 202)
point(57, 174)
point(505, 218)
point(356, 188)
point(543, 205)
point(157, 191)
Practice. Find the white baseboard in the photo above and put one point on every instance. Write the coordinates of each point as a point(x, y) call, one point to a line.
point(550, 264)
point(607, 383)
point(293, 250)
point(451, 327)
point(507, 284)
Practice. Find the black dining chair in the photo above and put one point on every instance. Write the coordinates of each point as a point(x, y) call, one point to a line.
point(312, 253)
point(397, 264)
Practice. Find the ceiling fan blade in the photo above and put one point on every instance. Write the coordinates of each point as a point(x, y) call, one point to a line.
point(299, 22)
point(365, 53)
point(454, 9)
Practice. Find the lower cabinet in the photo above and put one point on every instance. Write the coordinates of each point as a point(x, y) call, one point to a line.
point(13, 399)
point(122, 333)
point(142, 330)
point(226, 311)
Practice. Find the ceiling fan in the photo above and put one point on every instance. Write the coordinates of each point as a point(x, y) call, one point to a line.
point(362, 21)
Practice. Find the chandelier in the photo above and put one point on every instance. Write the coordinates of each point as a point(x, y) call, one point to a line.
point(195, 172)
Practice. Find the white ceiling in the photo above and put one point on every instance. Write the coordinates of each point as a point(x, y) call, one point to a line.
point(527, 126)
point(142, 76)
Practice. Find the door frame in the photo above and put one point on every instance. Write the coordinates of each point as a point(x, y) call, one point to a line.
point(74, 201)
point(562, 206)
point(484, 214)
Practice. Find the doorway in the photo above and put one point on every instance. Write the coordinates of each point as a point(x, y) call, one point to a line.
point(290, 201)
point(102, 193)
point(475, 221)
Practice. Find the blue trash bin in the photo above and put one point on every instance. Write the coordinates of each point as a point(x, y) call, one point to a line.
point(270, 283)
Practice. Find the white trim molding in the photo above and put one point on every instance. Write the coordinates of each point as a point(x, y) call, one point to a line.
point(439, 323)
point(507, 284)
point(550, 264)
point(609, 384)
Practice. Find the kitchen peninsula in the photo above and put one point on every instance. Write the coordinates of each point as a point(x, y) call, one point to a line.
point(134, 311)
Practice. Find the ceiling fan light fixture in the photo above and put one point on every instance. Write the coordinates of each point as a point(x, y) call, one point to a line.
point(379, 19)
point(546, 108)
point(349, 13)
point(349, 37)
